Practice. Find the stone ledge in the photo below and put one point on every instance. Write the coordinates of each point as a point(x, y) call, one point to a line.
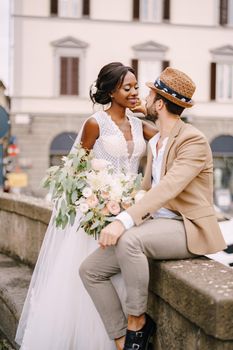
point(31, 207)
point(200, 289)
point(24, 221)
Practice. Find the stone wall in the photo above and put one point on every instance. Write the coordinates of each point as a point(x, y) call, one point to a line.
point(191, 300)
point(23, 223)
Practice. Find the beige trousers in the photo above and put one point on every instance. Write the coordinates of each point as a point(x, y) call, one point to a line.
point(158, 239)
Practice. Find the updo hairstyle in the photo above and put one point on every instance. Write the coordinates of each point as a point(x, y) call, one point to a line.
point(109, 78)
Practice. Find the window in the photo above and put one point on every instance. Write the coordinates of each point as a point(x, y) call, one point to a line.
point(148, 64)
point(69, 67)
point(222, 74)
point(222, 148)
point(69, 75)
point(224, 82)
point(226, 12)
point(61, 146)
point(151, 10)
point(70, 8)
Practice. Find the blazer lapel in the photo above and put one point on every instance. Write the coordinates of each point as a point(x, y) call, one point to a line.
point(175, 131)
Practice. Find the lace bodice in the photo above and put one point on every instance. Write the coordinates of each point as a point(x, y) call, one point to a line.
point(112, 145)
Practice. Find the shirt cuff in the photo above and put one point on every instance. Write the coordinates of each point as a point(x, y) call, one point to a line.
point(125, 219)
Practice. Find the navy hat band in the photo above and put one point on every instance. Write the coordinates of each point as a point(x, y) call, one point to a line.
point(163, 87)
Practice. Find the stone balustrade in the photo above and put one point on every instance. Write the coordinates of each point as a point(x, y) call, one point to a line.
point(191, 300)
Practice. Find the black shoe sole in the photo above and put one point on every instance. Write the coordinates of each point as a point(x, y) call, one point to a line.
point(149, 346)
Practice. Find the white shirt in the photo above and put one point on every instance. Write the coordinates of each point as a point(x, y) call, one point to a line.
point(124, 217)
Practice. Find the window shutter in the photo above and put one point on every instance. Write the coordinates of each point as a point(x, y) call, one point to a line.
point(69, 75)
point(74, 76)
point(136, 7)
point(63, 75)
point(54, 7)
point(86, 7)
point(166, 10)
point(213, 81)
point(134, 64)
point(165, 64)
point(223, 13)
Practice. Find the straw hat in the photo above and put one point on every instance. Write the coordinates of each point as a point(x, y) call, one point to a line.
point(175, 86)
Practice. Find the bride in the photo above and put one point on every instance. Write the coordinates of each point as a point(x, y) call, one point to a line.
point(58, 314)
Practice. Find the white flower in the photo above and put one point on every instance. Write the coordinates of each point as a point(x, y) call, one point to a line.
point(99, 164)
point(139, 195)
point(93, 88)
point(98, 181)
point(116, 190)
point(84, 207)
point(87, 192)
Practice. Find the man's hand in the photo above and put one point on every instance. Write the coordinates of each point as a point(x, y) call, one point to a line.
point(140, 107)
point(111, 233)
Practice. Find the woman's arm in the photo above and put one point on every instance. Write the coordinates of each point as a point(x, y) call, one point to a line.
point(149, 130)
point(90, 133)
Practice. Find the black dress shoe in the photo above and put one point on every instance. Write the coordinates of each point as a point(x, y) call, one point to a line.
point(139, 340)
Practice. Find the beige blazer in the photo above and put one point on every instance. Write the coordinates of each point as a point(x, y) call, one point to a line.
point(185, 187)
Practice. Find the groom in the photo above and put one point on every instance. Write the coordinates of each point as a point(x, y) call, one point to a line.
point(174, 220)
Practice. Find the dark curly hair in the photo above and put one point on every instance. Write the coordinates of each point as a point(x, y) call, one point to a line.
point(109, 78)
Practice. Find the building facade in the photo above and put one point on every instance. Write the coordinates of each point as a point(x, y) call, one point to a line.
point(58, 47)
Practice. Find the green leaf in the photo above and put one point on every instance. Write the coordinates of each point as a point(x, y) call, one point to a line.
point(45, 181)
point(110, 219)
point(80, 184)
point(74, 197)
point(69, 184)
point(64, 221)
point(95, 224)
point(63, 207)
point(72, 217)
point(88, 216)
point(53, 169)
point(76, 161)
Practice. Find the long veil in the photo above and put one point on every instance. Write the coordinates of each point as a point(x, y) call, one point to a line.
point(52, 241)
point(58, 311)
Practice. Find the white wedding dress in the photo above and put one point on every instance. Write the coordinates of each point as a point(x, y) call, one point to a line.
point(58, 314)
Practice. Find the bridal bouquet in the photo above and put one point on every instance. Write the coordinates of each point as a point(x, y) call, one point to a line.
point(89, 185)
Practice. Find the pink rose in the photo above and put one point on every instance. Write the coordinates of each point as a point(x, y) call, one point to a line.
point(105, 211)
point(113, 207)
point(126, 205)
point(105, 195)
point(92, 201)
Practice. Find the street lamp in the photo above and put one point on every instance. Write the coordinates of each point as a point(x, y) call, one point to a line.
point(4, 127)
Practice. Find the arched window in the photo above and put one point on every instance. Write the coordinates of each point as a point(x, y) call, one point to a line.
point(222, 148)
point(60, 146)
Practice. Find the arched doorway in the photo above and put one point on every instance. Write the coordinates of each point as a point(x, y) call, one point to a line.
point(61, 146)
point(222, 148)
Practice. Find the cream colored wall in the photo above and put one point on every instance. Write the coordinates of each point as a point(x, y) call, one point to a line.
point(188, 49)
point(111, 9)
point(32, 7)
point(35, 73)
point(197, 12)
